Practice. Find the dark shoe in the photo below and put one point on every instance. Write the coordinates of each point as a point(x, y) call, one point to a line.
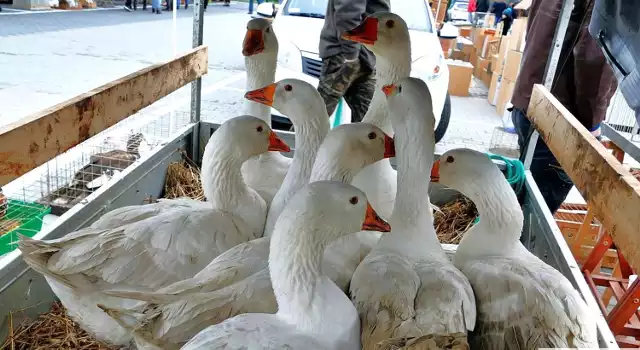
point(186, 7)
point(144, 8)
point(127, 8)
point(158, 12)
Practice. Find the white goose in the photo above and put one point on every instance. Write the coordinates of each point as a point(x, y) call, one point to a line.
point(313, 313)
point(407, 286)
point(155, 252)
point(238, 281)
point(301, 102)
point(523, 303)
point(387, 36)
point(263, 173)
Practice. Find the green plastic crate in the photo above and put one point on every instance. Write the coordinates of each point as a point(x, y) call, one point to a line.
point(29, 215)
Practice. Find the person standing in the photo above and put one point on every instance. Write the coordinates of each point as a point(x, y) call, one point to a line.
point(584, 83)
point(348, 68)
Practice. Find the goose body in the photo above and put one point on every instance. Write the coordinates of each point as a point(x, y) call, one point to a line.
point(264, 173)
point(156, 251)
point(238, 281)
point(313, 313)
point(523, 303)
point(406, 286)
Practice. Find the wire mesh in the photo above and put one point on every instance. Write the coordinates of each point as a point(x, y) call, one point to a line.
point(621, 117)
point(504, 143)
point(27, 203)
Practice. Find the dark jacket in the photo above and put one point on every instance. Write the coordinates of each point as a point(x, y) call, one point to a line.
point(585, 84)
point(343, 15)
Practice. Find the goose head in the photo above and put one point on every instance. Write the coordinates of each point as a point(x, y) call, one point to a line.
point(384, 33)
point(292, 97)
point(331, 210)
point(348, 148)
point(409, 97)
point(260, 40)
point(247, 136)
point(465, 169)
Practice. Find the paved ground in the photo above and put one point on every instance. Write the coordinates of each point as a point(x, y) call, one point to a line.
point(49, 57)
point(46, 58)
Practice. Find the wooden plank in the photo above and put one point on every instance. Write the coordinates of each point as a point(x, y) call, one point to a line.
point(608, 188)
point(38, 138)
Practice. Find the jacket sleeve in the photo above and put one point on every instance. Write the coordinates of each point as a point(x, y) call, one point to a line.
point(348, 15)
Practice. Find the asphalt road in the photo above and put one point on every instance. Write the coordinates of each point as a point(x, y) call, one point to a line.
point(46, 58)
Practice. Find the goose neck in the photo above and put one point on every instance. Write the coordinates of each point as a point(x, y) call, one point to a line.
point(309, 136)
point(222, 179)
point(388, 71)
point(295, 266)
point(498, 208)
point(328, 167)
point(261, 71)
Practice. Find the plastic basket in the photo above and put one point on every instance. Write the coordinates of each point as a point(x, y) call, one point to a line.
point(27, 218)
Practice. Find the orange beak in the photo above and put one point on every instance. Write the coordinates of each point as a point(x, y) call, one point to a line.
point(389, 147)
point(365, 33)
point(276, 144)
point(372, 222)
point(263, 95)
point(253, 43)
point(435, 171)
point(388, 89)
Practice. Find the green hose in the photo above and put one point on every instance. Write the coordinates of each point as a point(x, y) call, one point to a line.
point(515, 174)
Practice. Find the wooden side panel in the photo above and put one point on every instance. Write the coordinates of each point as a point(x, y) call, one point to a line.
point(34, 140)
point(612, 192)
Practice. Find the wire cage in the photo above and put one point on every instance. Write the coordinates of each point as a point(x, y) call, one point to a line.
point(504, 143)
point(27, 203)
point(622, 118)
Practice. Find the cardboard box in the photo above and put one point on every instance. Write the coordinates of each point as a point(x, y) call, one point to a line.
point(465, 32)
point(512, 65)
point(505, 94)
point(493, 88)
point(459, 77)
point(485, 76)
point(518, 29)
point(482, 65)
point(493, 64)
point(473, 57)
point(458, 55)
point(446, 45)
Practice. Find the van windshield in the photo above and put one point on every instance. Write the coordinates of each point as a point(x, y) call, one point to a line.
point(414, 12)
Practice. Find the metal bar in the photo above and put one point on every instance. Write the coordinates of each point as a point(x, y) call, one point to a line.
point(627, 146)
point(550, 69)
point(196, 86)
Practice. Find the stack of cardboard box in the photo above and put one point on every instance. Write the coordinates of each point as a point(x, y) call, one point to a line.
point(504, 66)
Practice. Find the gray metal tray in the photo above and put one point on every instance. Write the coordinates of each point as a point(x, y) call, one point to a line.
point(23, 289)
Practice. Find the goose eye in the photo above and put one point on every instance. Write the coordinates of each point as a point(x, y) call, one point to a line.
point(259, 128)
point(288, 87)
point(372, 135)
point(353, 200)
point(399, 88)
point(390, 23)
point(450, 159)
point(268, 30)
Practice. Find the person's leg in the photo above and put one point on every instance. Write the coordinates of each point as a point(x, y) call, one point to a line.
point(127, 5)
point(206, 3)
point(144, 5)
point(155, 5)
point(250, 6)
point(359, 95)
point(186, 4)
point(553, 182)
point(335, 79)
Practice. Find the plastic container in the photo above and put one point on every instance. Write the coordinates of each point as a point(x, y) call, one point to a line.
point(29, 216)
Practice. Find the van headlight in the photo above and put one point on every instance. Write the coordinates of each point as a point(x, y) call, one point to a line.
point(429, 67)
point(289, 56)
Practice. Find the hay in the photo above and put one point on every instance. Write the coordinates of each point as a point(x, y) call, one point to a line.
point(183, 180)
point(51, 330)
point(455, 341)
point(454, 219)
